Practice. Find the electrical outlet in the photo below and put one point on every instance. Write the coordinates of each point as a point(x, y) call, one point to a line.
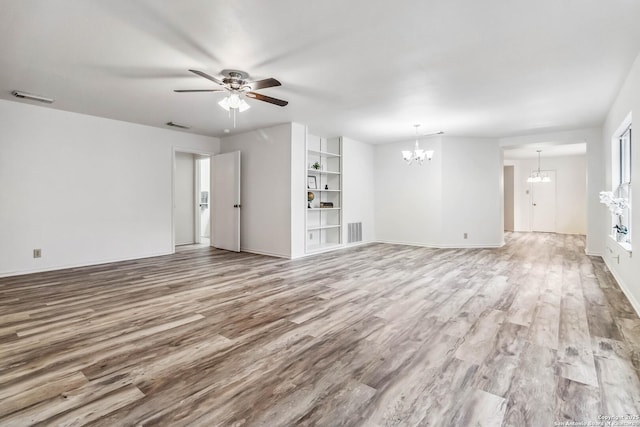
point(465, 235)
point(37, 253)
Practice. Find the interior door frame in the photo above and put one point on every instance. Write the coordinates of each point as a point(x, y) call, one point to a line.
point(173, 189)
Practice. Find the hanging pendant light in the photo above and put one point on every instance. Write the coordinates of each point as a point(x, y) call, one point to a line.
point(418, 154)
point(538, 176)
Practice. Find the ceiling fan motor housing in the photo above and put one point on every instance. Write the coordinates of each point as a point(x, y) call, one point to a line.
point(236, 79)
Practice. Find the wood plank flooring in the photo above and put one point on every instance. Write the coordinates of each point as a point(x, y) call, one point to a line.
point(529, 334)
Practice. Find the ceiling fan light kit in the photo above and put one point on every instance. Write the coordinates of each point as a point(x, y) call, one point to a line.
point(234, 102)
point(236, 83)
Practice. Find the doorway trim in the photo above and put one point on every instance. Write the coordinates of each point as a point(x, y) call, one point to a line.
point(174, 150)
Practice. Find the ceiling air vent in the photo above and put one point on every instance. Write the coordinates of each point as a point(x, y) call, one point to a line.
point(25, 95)
point(178, 125)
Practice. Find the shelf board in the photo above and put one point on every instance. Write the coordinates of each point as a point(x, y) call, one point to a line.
point(322, 190)
point(325, 247)
point(323, 227)
point(323, 209)
point(323, 153)
point(319, 172)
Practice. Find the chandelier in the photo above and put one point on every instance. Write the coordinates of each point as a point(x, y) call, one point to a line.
point(418, 155)
point(538, 176)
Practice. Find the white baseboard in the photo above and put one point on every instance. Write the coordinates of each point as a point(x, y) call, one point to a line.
point(79, 265)
point(397, 242)
point(625, 289)
point(333, 248)
point(476, 246)
point(441, 246)
point(259, 252)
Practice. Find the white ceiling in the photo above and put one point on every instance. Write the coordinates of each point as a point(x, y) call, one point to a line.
point(367, 69)
point(529, 151)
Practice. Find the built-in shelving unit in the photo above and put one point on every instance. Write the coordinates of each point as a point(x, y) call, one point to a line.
point(324, 184)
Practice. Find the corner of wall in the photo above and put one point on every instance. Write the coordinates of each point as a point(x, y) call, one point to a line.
point(624, 286)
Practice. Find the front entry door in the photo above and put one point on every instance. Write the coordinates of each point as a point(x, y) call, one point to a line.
point(543, 204)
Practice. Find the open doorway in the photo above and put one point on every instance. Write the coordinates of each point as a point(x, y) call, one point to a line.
point(203, 193)
point(191, 199)
point(557, 204)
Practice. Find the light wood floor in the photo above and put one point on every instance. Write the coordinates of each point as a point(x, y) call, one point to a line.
point(526, 335)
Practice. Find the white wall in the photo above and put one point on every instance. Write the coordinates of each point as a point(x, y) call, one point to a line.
point(358, 195)
point(472, 192)
point(84, 189)
point(408, 198)
point(509, 202)
point(184, 203)
point(274, 188)
point(571, 192)
point(625, 268)
point(459, 191)
point(265, 218)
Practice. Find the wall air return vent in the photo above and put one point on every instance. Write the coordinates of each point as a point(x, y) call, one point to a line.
point(354, 231)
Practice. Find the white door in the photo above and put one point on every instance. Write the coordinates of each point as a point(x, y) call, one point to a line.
point(226, 201)
point(543, 204)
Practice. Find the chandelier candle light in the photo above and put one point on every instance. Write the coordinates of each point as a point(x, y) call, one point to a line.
point(538, 176)
point(418, 154)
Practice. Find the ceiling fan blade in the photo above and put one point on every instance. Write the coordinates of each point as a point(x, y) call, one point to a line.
point(268, 99)
point(208, 77)
point(198, 90)
point(262, 84)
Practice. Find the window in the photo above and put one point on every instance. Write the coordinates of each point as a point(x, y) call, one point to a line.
point(625, 157)
point(621, 156)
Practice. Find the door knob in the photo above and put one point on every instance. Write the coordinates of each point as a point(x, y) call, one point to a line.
point(535, 204)
point(237, 206)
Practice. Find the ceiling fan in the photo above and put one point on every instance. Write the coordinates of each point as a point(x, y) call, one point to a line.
point(236, 83)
